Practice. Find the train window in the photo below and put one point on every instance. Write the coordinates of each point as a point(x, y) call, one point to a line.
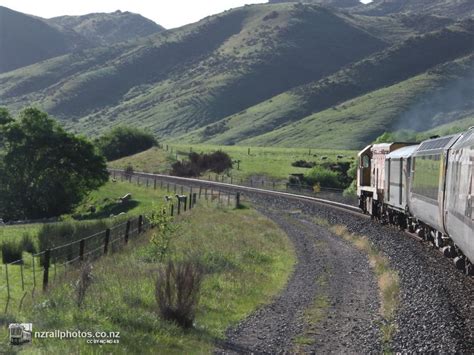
point(426, 177)
point(365, 161)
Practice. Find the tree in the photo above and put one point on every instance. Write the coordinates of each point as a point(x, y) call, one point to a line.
point(45, 171)
point(123, 141)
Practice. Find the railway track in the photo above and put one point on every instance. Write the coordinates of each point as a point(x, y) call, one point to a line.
point(435, 311)
point(254, 190)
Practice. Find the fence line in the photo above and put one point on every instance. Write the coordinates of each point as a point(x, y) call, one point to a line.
point(100, 243)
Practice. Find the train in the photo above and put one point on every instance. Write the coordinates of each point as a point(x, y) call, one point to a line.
point(20, 333)
point(426, 188)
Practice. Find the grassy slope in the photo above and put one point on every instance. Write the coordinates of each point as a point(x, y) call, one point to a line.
point(389, 67)
point(245, 271)
point(355, 122)
point(182, 79)
point(271, 162)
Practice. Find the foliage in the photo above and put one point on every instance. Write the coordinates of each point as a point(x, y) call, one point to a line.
point(27, 243)
point(177, 291)
point(45, 171)
point(123, 141)
point(303, 164)
point(163, 230)
point(11, 251)
point(217, 162)
point(62, 233)
point(324, 177)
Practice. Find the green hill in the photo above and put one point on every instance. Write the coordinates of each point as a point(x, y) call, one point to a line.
point(180, 80)
point(383, 69)
point(107, 28)
point(26, 39)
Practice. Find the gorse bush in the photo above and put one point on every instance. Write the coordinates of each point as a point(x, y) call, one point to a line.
point(177, 291)
point(58, 234)
point(217, 162)
point(27, 243)
point(323, 177)
point(123, 141)
point(11, 252)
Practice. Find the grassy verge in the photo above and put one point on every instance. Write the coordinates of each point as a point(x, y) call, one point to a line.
point(247, 260)
point(387, 279)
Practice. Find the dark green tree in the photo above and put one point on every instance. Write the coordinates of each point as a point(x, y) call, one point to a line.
point(123, 141)
point(45, 171)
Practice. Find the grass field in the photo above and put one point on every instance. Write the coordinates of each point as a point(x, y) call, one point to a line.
point(270, 162)
point(244, 270)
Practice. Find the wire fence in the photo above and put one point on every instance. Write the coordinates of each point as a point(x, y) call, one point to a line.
point(333, 194)
point(37, 271)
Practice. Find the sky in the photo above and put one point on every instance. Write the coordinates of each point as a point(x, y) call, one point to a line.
point(168, 13)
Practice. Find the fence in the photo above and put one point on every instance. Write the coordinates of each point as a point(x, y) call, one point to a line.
point(328, 193)
point(39, 270)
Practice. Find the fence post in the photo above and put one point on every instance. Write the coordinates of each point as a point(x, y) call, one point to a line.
point(185, 202)
point(146, 182)
point(219, 197)
point(47, 255)
point(237, 200)
point(140, 223)
point(251, 182)
point(82, 245)
point(22, 278)
point(154, 184)
point(172, 210)
point(200, 191)
point(127, 231)
point(179, 206)
point(190, 200)
point(138, 180)
point(34, 271)
point(194, 199)
point(106, 241)
point(8, 282)
point(228, 199)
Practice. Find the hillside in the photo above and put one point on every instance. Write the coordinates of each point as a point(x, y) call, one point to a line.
point(455, 9)
point(180, 80)
point(384, 69)
point(26, 39)
point(107, 28)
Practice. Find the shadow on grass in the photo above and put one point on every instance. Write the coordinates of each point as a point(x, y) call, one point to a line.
point(114, 208)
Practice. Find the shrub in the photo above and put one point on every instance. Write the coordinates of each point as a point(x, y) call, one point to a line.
point(323, 177)
point(177, 291)
point(11, 252)
point(303, 164)
point(57, 234)
point(123, 141)
point(217, 162)
point(27, 244)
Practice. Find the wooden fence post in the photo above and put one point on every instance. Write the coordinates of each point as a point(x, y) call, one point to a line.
point(146, 182)
point(237, 200)
point(190, 200)
point(185, 202)
point(8, 282)
point(82, 245)
point(127, 231)
point(154, 184)
point(140, 223)
point(106, 241)
point(194, 199)
point(47, 255)
point(200, 191)
point(172, 210)
point(179, 206)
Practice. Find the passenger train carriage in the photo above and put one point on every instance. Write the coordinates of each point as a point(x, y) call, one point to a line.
point(427, 188)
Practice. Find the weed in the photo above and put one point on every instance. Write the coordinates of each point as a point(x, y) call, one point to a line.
point(177, 291)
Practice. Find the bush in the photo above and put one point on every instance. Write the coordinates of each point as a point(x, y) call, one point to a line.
point(27, 244)
point(177, 291)
point(57, 234)
point(323, 177)
point(217, 162)
point(303, 164)
point(123, 141)
point(11, 252)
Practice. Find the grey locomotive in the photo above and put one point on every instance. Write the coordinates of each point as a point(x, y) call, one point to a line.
point(427, 188)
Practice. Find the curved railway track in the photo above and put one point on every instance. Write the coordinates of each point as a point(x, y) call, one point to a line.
point(276, 193)
point(435, 311)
